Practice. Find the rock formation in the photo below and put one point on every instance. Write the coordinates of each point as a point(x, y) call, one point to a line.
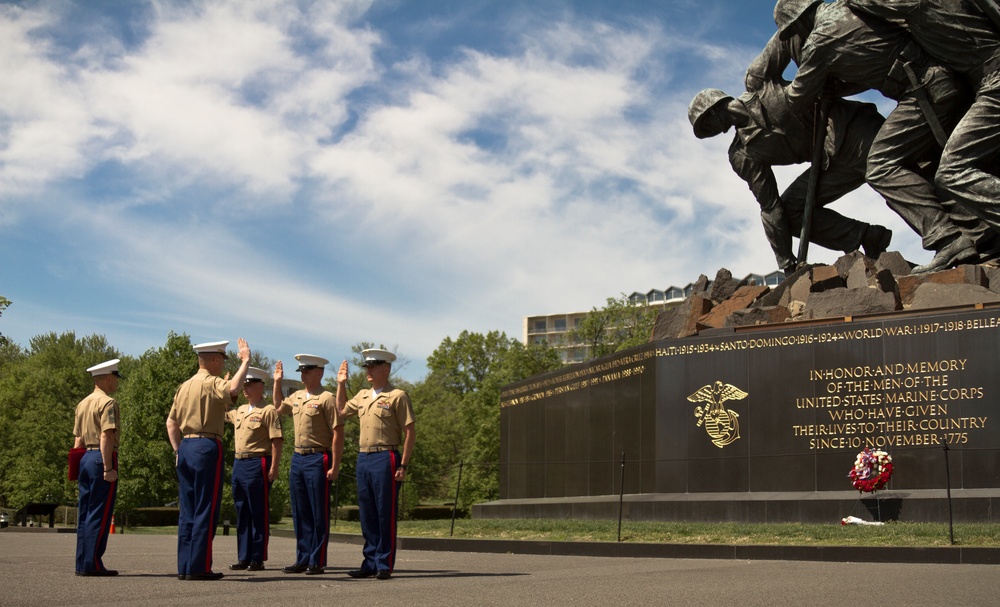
point(853, 286)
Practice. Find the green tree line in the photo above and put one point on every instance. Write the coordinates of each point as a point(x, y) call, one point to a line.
point(457, 408)
point(456, 404)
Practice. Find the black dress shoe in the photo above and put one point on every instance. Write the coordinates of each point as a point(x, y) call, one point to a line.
point(182, 576)
point(101, 573)
point(240, 565)
point(383, 574)
point(315, 570)
point(205, 577)
point(361, 573)
point(255, 566)
point(296, 568)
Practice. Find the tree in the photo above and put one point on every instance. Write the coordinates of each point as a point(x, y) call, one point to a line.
point(458, 406)
point(442, 441)
point(39, 391)
point(146, 459)
point(619, 325)
point(4, 302)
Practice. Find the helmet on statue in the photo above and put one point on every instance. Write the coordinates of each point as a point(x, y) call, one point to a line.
point(700, 111)
point(788, 12)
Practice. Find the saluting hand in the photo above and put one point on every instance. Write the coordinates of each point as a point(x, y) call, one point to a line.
point(244, 349)
point(342, 372)
point(279, 372)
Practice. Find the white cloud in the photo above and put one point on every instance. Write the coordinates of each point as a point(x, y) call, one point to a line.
point(397, 199)
point(43, 128)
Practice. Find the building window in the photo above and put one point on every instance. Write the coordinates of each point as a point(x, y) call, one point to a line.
point(560, 324)
point(538, 326)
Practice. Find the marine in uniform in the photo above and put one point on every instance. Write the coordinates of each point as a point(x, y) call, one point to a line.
point(256, 465)
point(319, 445)
point(195, 425)
point(96, 428)
point(387, 421)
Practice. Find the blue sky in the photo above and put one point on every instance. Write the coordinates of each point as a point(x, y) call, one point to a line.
point(309, 175)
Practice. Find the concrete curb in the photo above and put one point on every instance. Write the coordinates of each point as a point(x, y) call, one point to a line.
point(953, 555)
point(957, 555)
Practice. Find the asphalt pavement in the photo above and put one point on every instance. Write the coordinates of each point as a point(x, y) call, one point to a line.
point(37, 569)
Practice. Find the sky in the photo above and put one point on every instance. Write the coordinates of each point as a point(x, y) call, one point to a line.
point(310, 175)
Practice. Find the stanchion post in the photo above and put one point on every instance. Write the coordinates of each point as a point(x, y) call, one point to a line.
point(454, 507)
point(621, 498)
point(336, 502)
point(947, 479)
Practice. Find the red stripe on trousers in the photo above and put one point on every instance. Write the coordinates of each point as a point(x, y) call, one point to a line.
point(105, 526)
point(215, 506)
point(267, 504)
point(395, 499)
point(326, 502)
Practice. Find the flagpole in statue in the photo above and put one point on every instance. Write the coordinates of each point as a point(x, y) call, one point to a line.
point(821, 114)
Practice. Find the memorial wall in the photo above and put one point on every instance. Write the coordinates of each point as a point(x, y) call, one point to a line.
point(764, 424)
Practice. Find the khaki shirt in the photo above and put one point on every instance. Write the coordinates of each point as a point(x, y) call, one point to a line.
point(255, 428)
point(314, 417)
point(200, 404)
point(382, 420)
point(96, 414)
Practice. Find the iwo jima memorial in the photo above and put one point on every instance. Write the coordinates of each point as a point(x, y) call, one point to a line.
point(752, 404)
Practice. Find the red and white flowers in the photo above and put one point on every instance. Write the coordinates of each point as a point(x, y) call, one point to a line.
point(872, 470)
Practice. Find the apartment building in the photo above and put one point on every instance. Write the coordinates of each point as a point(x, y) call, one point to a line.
point(556, 329)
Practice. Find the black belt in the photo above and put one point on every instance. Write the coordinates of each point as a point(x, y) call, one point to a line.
point(378, 449)
point(203, 435)
point(310, 450)
point(251, 455)
point(93, 448)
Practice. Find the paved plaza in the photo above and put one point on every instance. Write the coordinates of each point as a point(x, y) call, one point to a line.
point(37, 569)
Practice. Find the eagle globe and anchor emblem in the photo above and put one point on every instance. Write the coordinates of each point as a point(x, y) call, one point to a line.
point(721, 424)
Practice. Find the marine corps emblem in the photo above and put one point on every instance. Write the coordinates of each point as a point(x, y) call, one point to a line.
point(722, 425)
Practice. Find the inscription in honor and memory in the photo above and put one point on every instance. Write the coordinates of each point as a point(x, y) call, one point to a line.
point(896, 404)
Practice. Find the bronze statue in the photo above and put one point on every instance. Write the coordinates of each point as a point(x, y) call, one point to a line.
point(769, 133)
point(965, 37)
point(840, 45)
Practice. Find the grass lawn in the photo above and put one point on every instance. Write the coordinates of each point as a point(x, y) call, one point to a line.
point(788, 534)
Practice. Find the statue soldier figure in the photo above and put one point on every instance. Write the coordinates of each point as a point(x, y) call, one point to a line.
point(966, 39)
point(769, 134)
point(875, 54)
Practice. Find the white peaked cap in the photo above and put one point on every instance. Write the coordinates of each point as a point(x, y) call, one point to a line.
point(211, 347)
point(307, 361)
point(108, 367)
point(372, 355)
point(257, 374)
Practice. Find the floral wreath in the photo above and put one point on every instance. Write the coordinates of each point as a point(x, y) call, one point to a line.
point(872, 470)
